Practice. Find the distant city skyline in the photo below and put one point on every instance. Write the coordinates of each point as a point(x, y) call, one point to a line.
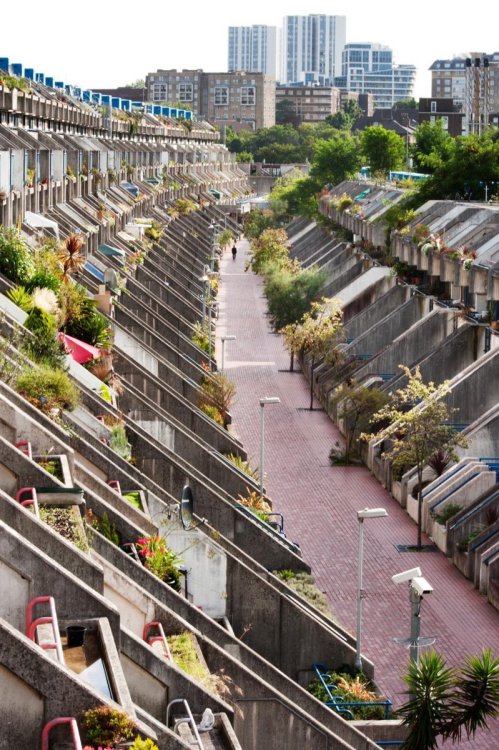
point(102, 46)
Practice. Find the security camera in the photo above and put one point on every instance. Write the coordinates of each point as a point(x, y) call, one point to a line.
point(421, 586)
point(407, 575)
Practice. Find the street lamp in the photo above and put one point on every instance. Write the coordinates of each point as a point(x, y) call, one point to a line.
point(204, 278)
point(224, 339)
point(361, 515)
point(263, 402)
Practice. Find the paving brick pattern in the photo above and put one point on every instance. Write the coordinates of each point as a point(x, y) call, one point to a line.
point(319, 503)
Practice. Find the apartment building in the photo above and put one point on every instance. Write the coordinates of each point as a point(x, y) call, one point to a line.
point(312, 47)
point(244, 100)
point(254, 48)
point(307, 104)
point(369, 68)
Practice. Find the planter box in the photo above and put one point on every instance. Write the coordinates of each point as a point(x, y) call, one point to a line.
point(60, 495)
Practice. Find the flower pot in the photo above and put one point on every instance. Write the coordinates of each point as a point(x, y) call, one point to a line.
point(76, 635)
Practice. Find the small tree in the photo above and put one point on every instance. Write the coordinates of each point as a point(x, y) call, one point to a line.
point(317, 335)
point(383, 149)
point(357, 405)
point(419, 417)
point(444, 703)
point(270, 247)
point(290, 294)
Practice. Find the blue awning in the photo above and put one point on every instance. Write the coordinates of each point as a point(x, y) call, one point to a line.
point(111, 252)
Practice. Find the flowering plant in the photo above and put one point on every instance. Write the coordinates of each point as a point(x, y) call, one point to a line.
point(159, 559)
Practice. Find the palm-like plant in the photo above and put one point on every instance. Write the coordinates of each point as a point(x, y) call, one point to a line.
point(444, 703)
point(70, 256)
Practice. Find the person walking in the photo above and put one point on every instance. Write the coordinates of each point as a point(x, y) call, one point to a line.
point(234, 252)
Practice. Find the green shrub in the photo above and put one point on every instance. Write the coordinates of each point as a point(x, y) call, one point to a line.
point(133, 497)
point(186, 658)
point(16, 257)
point(47, 388)
point(304, 585)
point(200, 337)
point(105, 527)
point(243, 465)
point(20, 297)
point(350, 689)
point(89, 325)
point(44, 346)
point(105, 725)
point(159, 559)
point(213, 413)
point(43, 279)
point(118, 442)
point(450, 510)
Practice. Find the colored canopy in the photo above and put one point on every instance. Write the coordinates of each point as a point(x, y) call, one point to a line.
point(80, 351)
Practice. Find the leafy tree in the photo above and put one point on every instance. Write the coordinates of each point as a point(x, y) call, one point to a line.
point(294, 195)
point(383, 149)
point(257, 221)
point(336, 159)
point(346, 116)
point(138, 84)
point(419, 418)
point(280, 153)
point(317, 335)
point(409, 103)
point(289, 295)
point(270, 247)
point(285, 113)
point(357, 405)
point(445, 703)
point(466, 166)
point(432, 146)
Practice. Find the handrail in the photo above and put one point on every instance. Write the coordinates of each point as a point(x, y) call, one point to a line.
point(32, 624)
point(161, 638)
point(133, 551)
point(33, 500)
point(115, 485)
point(57, 722)
point(25, 447)
point(188, 720)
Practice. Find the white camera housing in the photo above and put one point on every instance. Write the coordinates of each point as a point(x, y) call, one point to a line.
point(407, 575)
point(421, 586)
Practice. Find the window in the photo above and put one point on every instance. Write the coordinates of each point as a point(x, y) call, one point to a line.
point(185, 92)
point(221, 95)
point(248, 95)
point(159, 92)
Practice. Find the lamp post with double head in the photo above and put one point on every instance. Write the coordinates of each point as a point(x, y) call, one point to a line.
point(266, 400)
point(361, 515)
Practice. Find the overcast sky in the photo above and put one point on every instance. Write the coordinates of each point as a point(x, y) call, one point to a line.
point(102, 43)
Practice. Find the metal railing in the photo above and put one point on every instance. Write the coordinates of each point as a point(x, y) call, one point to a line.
point(161, 638)
point(75, 734)
point(189, 719)
point(31, 500)
point(33, 624)
point(339, 703)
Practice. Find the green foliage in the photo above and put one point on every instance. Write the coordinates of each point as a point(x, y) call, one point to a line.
point(88, 324)
point(294, 195)
point(350, 689)
point(346, 117)
point(225, 238)
point(357, 405)
point(212, 412)
point(319, 331)
point(243, 465)
point(216, 391)
point(105, 725)
point(432, 146)
point(13, 82)
point(444, 703)
point(47, 388)
point(419, 416)
point(16, 257)
point(257, 221)
point(270, 247)
point(186, 658)
point(383, 149)
point(200, 336)
point(304, 585)
point(450, 510)
point(184, 206)
point(105, 527)
point(118, 442)
point(43, 279)
point(140, 744)
point(336, 159)
point(20, 297)
point(44, 347)
point(154, 232)
point(290, 295)
point(133, 497)
point(159, 559)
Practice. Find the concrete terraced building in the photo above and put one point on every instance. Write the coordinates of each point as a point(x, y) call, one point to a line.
point(147, 204)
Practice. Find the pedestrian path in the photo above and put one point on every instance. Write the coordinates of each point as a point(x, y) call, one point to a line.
point(320, 504)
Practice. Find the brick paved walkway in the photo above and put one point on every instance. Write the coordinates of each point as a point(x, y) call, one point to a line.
point(320, 503)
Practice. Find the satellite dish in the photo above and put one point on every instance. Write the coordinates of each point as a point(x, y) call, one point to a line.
point(110, 278)
point(186, 507)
